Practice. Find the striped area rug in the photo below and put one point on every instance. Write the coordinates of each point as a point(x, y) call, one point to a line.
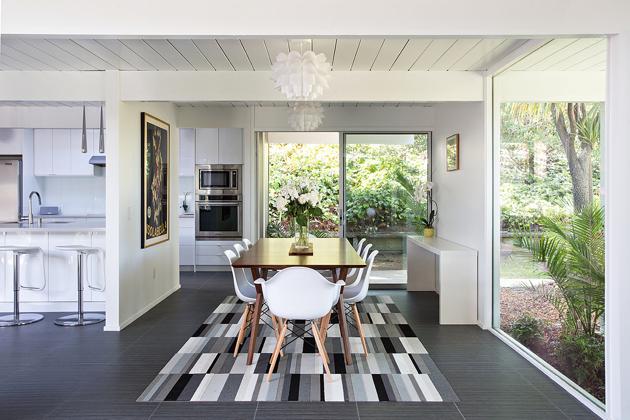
point(398, 367)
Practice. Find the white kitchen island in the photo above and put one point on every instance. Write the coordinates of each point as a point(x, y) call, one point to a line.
point(59, 269)
point(448, 268)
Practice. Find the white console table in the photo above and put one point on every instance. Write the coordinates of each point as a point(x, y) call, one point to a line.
point(450, 269)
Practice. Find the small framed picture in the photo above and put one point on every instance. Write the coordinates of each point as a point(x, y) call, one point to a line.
point(452, 152)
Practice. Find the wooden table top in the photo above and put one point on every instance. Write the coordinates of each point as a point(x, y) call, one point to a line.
point(327, 253)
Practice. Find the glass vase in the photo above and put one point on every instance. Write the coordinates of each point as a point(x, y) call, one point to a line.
point(301, 233)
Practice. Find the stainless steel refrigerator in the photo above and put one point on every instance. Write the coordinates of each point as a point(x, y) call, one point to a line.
point(10, 189)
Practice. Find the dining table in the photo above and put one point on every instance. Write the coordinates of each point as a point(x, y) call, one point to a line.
point(336, 255)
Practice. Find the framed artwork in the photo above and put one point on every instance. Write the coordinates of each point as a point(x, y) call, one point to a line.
point(155, 182)
point(452, 152)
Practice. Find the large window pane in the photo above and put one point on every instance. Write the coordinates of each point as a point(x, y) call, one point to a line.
point(552, 236)
point(312, 155)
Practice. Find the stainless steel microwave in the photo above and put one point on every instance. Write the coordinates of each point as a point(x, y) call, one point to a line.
point(218, 180)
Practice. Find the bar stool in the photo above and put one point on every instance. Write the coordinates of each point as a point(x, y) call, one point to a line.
point(81, 318)
point(17, 318)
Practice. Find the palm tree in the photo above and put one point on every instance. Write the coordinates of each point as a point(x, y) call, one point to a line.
point(574, 255)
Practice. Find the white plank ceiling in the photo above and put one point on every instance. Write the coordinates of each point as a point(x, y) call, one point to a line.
point(372, 54)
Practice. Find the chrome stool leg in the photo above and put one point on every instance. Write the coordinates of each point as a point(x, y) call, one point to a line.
point(17, 318)
point(81, 318)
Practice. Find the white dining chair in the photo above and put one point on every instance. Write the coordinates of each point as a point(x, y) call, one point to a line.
point(353, 278)
point(240, 249)
point(300, 293)
point(358, 248)
point(245, 292)
point(248, 244)
point(356, 292)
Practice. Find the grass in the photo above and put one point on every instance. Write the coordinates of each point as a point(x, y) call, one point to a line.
point(517, 263)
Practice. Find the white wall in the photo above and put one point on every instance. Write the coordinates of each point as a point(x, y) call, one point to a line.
point(48, 116)
point(460, 195)
point(143, 277)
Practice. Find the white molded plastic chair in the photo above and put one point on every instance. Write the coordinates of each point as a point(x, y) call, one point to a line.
point(245, 292)
point(356, 292)
point(246, 272)
point(359, 247)
point(248, 244)
point(353, 278)
point(300, 293)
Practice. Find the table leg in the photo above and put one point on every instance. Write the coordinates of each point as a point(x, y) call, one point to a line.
point(341, 315)
point(255, 317)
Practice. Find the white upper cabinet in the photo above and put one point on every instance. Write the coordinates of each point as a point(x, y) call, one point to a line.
point(57, 151)
point(81, 161)
point(42, 152)
point(187, 152)
point(206, 146)
point(94, 134)
point(231, 145)
point(219, 145)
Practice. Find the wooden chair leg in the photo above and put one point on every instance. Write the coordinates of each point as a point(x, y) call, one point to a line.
point(241, 332)
point(357, 319)
point(276, 351)
point(276, 329)
point(322, 351)
point(323, 327)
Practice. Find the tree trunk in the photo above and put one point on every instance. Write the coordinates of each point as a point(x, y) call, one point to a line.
point(580, 161)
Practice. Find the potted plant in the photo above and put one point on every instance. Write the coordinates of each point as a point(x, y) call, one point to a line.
point(427, 223)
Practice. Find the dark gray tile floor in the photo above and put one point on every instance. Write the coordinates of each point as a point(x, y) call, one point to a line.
point(71, 373)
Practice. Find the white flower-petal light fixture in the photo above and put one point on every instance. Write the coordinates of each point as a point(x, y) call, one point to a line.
point(301, 76)
point(305, 116)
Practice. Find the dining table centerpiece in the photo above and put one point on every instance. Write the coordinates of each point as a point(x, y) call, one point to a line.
point(299, 200)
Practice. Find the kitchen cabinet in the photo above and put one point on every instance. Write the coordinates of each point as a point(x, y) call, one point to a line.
point(95, 134)
point(187, 152)
point(219, 146)
point(42, 151)
point(33, 267)
point(231, 146)
point(96, 264)
point(80, 162)
point(186, 241)
point(211, 253)
point(62, 281)
point(57, 152)
point(61, 152)
point(206, 146)
point(57, 268)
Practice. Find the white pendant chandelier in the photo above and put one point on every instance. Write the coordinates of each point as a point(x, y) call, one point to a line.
point(305, 116)
point(301, 76)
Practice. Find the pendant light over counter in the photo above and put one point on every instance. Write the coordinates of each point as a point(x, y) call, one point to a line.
point(83, 134)
point(101, 135)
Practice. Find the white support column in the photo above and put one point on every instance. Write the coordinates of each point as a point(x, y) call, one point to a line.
point(112, 210)
point(485, 281)
point(616, 195)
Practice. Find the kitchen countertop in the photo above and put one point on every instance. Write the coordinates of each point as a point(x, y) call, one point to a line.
point(78, 224)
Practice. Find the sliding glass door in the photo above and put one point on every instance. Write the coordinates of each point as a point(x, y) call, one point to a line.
point(383, 196)
point(370, 187)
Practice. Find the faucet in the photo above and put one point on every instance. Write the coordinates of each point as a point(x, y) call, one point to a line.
point(30, 205)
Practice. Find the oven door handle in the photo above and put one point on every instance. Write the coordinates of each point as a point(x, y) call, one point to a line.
point(219, 203)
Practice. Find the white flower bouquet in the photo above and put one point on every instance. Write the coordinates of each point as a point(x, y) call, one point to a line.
point(300, 201)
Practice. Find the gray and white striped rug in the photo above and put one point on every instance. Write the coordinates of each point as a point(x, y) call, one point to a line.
point(398, 367)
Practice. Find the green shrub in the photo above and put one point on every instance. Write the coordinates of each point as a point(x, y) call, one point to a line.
point(584, 357)
point(527, 330)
